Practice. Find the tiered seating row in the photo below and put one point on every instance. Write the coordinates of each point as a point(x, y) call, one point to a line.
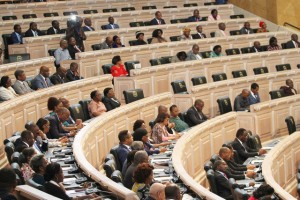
point(157, 79)
point(39, 46)
point(30, 107)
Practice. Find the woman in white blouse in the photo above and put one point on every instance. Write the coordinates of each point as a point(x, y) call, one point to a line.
point(214, 15)
point(6, 91)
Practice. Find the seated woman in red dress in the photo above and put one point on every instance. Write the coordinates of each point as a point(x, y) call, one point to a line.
point(118, 69)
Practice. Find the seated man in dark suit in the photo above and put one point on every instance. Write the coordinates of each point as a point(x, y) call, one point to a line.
point(41, 141)
point(199, 34)
point(38, 164)
point(289, 89)
point(124, 148)
point(222, 182)
point(59, 77)
point(16, 36)
point(293, 43)
point(246, 29)
point(158, 19)
point(194, 115)
point(73, 48)
point(54, 29)
point(56, 130)
point(239, 144)
point(72, 73)
point(254, 95)
point(26, 140)
point(256, 47)
point(42, 79)
point(88, 25)
point(33, 31)
point(111, 24)
point(195, 18)
point(110, 100)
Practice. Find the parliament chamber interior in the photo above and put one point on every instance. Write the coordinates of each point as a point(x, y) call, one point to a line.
point(151, 100)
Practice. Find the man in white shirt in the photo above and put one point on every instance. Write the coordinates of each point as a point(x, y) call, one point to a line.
point(62, 53)
point(21, 86)
point(222, 32)
point(194, 54)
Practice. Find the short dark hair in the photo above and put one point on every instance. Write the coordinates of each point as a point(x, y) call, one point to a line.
point(172, 107)
point(116, 59)
point(240, 132)
point(31, 23)
point(26, 153)
point(272, 39)
point(217, 164)
point(254, 85)
point(3, 81)
point(93, 94)
point(41, 122)
point(142, 172)
point(263, 190)
point(18, 73)
point(180, 54)
point(123, 135)
point(130, 157)
point(155, 33)
point(51, 170)
point(8, 179)
point(15, 26)
point(53, 22)
point(213, 10)
point(172, 191)
point(139, 134)
point(36, 161)
point(138, 124)
point(216, 47)
point(106, 91)
point(161, 117)
point(25, 135)
point(52, 103)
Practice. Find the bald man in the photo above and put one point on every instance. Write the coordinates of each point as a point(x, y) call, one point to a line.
point(107, 44)
point(42, 79)
point(62, 53)
point(157, 192)
point(56, 130)
point(59, 77)
point(241, 102)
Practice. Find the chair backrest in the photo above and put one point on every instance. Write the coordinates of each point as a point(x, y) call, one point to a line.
point(190, 5)
point(234, 32)
point(128, 8)
point(84, 104)
point(108, 10)
point(240, 194)
point(103, 27)
point(116, 176)
point(90, 11)
point(52, 14)
point(132, 42)
point(170, 7)
point(212, 34)
point(67, 13)
point(77, 112)
point(148, 7)
point(177, 21)
point(15, 166)
point(253, 142)
point(166, 59)
point(133, 95)
point(106, 68)
point(224, 105)
point(236, 16)
point(298, 66)
point(210, 174)
point(283, 67)
point(147, 23)
point(15, 157)
point(9, 150)
point(114, 152)
point(275, 94)
point(179, 87)
point(51, 52)
point(283, 45)
point(231, 183)
point(96, 47)
point(290, 122)
point(199, 80)
point(129, 65)
point(260, 70)
point(156, 61)
point(19, 57)
point(214, 158)
point(264, 47)
point(208, 165)
point(136, 24)
point(151, 123)
point(34, 184)
point(234, 51)
point(29, 16)
point(239, 73)
point(109, 157)
point(109, 167)
point(149, 40)
point(205, 54)
point(219, 77)
point(245, 50)
point(11, 17)
point(174, 38)
point(6, 41)
point(209, 3)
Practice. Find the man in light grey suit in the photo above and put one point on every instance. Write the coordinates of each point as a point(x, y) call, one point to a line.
point(21, 86)
point(246, 29)
point(111, 24)
point(194, 54)
point(222, 32)
point(42, 79)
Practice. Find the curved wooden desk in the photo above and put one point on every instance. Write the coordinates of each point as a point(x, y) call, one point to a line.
point(280, 167)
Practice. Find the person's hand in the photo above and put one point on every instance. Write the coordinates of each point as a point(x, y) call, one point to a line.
point(250, 174)
point(171, 125)
point(42, 135)
point(162, 150)
point(262, 151)
point(177, 136)
point(250, 167)
point(252, 184)
point(72, 133)
point(165, 143)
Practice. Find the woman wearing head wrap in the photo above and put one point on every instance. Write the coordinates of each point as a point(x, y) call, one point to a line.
point(263, 27)
point(186, 34)
point(140, 38)
point(117, 42)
